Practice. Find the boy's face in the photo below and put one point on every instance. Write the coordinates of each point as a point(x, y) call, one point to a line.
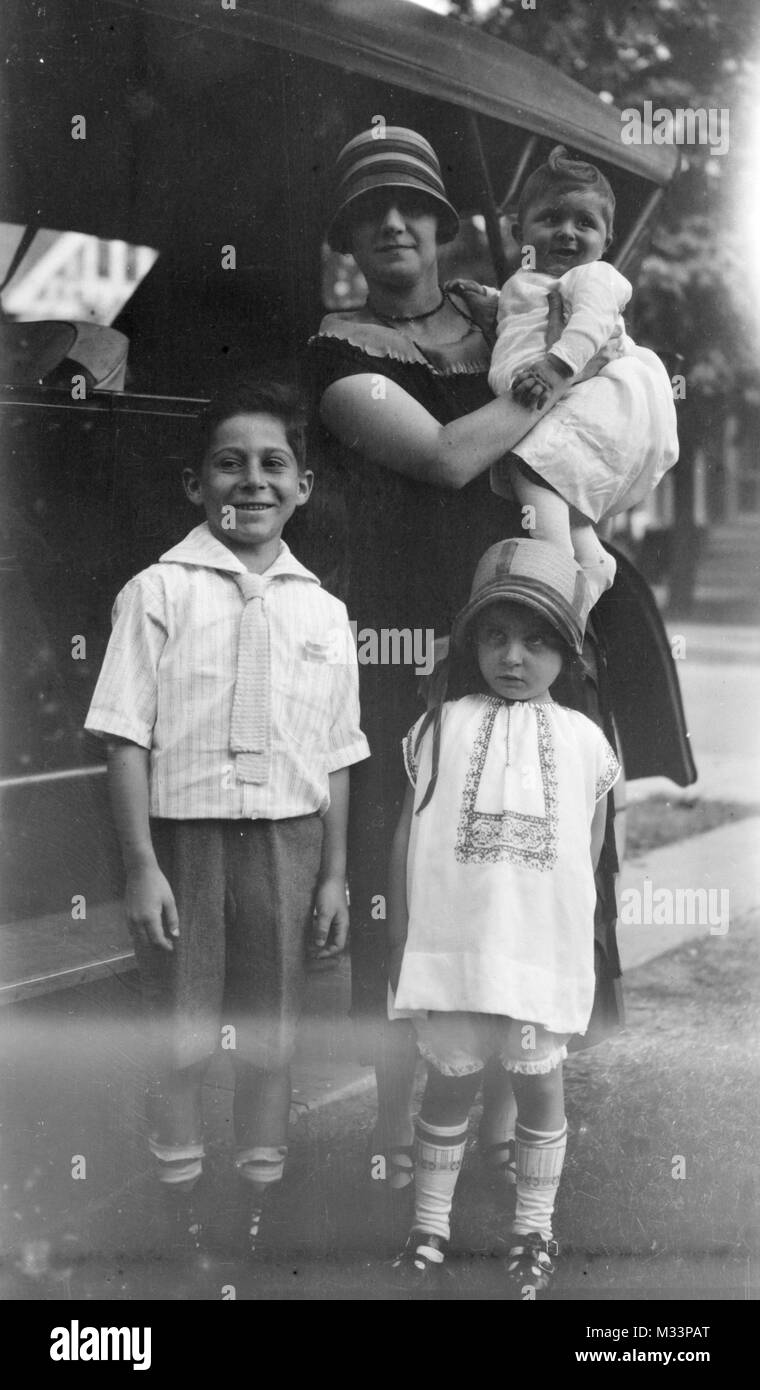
point(248, 484)
point(519, 653)
point(566, 229)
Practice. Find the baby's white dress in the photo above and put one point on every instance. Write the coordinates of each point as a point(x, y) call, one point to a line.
point(607, 443)
point(500, 884)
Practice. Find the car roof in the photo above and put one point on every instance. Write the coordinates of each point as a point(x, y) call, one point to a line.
point(210, 130)
point(404, 44)
point(304, 73)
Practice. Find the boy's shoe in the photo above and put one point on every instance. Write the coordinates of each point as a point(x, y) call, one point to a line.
point(252, 1241)
point(421, 1262)
point(185, 1227)
point(529, 1264)
point(259, 1221)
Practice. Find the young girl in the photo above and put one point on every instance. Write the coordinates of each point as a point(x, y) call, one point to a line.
point(605, 445)
point(492, 890)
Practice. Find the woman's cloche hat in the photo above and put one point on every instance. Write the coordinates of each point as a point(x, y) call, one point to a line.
point(388, 157)
point(533, 573)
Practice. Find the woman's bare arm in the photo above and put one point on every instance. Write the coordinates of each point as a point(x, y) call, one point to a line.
point(389, 427)
point(383, 422)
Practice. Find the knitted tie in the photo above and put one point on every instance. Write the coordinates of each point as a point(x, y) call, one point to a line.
point(250, 731)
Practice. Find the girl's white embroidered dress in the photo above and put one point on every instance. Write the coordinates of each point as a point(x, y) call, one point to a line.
point(500, 885)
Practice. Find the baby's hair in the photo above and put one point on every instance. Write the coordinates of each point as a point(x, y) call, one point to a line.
point(561, 173)
point(259, 396)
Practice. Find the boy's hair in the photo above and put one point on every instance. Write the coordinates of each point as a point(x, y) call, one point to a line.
point(561, 173)
point(259, 396)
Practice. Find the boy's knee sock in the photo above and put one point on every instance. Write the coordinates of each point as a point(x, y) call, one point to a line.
point(179, 1166)
point(261, 1165)
point(540, 1156)
point(438, 1156)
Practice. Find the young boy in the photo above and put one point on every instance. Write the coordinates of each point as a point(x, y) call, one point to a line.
point(231, 727)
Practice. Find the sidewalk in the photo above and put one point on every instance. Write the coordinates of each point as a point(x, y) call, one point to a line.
point(727, 590)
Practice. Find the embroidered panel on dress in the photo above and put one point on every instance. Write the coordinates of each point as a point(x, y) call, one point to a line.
point(410, 761)
point(509, 836)
point(608, 774)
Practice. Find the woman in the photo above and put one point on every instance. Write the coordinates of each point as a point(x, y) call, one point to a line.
point(402, 385)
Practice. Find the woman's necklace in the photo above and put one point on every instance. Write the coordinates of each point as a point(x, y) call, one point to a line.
point(406, 318)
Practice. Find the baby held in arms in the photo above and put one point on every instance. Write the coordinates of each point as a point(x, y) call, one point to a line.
point(605, 444)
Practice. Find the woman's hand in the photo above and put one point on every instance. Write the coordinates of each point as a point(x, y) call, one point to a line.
point(556, 319)
point(482, 304)
point(555, 324)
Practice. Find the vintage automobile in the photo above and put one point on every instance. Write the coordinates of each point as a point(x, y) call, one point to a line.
point(208, 128)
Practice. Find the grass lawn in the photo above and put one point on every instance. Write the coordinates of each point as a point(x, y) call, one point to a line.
point(661, 821)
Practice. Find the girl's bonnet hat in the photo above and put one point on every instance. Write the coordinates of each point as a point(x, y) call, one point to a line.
point(391, 157)
point(533, 573)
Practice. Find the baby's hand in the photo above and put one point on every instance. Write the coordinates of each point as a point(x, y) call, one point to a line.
point(533, 385)
point(330, 928)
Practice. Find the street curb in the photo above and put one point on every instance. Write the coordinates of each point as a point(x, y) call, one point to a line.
point(349, 1089)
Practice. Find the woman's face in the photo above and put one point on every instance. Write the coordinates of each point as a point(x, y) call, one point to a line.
point(393, 237)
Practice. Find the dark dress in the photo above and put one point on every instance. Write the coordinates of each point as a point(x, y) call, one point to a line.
point(411, 551)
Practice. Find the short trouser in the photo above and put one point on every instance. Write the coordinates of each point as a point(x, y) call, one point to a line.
point(245, 893)
point(458, 1044)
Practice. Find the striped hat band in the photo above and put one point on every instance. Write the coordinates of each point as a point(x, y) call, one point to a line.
point(395, 158)
point(533, 573)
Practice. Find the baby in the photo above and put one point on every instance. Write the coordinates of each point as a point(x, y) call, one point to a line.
point(607, 442)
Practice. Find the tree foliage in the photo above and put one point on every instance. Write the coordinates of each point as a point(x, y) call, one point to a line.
point(692, 294)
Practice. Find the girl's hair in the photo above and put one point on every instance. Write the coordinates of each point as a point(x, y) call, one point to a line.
point(264, 395)
point(464, 677)
point(561, 173)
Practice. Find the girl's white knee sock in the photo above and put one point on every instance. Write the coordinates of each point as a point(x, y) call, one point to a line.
point(438, 1155)
point(540, 1156)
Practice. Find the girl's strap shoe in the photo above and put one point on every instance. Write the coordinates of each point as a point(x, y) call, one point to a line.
point(530, 1263)
point(421, 1261)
